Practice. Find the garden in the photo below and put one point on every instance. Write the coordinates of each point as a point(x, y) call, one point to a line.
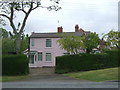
point(14, 65)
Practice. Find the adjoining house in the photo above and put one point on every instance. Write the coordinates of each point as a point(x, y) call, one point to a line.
point(102, 44)
point(43, 47)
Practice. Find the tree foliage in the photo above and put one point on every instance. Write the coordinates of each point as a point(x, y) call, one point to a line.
point(9, 8)
point(4, 33)
point(8, 41)
point(8, 45)
point(91, 41)
point(71, 43)
point(112, 38)
point(24, 42)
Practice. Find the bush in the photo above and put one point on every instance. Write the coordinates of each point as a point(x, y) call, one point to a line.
point(85, 62)
point(15, 65)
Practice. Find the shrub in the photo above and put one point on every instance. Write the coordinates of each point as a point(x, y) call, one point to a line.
point(15, 65)
point(85, 62)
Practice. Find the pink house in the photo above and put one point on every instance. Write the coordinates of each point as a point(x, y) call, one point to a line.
point(43, 47)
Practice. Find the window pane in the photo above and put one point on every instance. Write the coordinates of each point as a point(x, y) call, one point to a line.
point(32, 43)
point(48, 56)
point(39, 56)
point(48, 42)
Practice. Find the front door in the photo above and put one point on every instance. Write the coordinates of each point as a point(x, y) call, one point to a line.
point(32, 59)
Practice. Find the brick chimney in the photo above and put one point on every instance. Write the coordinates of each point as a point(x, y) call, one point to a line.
point(60, 29)
point(76, 28)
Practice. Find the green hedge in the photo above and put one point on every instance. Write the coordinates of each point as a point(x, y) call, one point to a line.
point(114, 55)
point(85, 62)
point(15, 65)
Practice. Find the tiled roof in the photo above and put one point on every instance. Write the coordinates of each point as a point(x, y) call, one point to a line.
point(56, 35)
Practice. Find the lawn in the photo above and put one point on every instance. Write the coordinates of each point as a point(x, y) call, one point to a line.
point(12, 78)
point(96, 75)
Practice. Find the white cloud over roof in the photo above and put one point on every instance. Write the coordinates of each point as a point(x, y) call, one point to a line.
point(93, 15)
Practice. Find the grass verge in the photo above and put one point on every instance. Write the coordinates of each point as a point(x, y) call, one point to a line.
point(96, 75)
point(12, 78)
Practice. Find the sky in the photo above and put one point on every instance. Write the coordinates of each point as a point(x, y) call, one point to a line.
point(98, 16)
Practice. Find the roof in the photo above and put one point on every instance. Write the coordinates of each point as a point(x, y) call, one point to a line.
point(103, 42)
point(56, 35)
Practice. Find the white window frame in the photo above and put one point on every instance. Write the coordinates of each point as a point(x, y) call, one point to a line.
point(34, 57)
point(50, 43)
point(31, 60)
point(50, 56)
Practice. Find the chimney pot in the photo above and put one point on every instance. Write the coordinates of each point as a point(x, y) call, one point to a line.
point(76, 28)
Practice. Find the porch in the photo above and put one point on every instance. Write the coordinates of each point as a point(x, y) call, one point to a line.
point(40, 59)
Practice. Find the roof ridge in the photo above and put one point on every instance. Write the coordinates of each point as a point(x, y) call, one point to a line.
point(56, 32)
point(54, 35)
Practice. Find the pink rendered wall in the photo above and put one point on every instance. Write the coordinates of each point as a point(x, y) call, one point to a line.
point(40, 46)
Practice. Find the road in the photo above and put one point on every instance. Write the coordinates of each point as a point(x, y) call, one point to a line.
point(46, 78)
point(57, 81)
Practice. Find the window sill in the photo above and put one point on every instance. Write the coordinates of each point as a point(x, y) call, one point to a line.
point(48, 47)
point(48, 61)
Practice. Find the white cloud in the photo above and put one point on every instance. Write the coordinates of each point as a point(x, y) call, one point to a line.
point(94, 15)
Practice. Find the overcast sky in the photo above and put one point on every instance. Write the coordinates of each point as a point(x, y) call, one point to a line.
point(98, 16)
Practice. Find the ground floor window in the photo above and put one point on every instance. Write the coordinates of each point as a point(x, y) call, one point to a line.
point(40, 56)
point(48, 56)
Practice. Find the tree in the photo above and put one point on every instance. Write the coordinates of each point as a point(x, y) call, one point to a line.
point(24, 42)
point(71, 43)
point(8, 41)
point(91, 41)
point(112, 38)
point(8, 44)
point(10, 7)
point(4, 33)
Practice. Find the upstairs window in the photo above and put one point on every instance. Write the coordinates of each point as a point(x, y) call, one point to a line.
point(48, 43)
point(33, 42)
